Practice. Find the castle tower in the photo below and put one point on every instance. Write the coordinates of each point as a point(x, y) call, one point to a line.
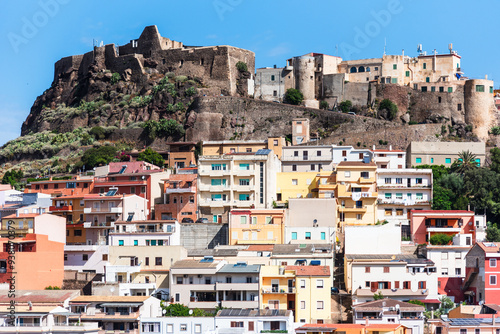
point(305, 79)
point(479, 106)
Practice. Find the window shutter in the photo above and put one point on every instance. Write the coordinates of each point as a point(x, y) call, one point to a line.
point(388, 285)
point(374, 286)
point(396, 285)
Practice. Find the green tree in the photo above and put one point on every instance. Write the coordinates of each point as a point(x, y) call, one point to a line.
point(442, 198)
point(324, 105)
point(150, 129)
point(151, 156)
point(438, 171)
point(495, 159)
point(293, 96)
point(466, 161)
point(345, 106)
point(416, 302)
point(98, 156)
point(390, 107)
point(441, 239)
point(446, 305)
point(12, 177)
point(377, 296)
point(170, 128)
point(492, 233)
point(98, 132)
point(174, 310)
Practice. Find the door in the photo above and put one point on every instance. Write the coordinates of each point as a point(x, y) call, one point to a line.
point(290, 285)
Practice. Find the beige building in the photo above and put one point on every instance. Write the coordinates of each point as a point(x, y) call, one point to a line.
point(221, 147)
point(256, 226)
point(442, 153)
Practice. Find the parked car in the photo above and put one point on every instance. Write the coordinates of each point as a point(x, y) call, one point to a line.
point(351, 113)
point(187, 220)
point(335, 290)
point(202, 220)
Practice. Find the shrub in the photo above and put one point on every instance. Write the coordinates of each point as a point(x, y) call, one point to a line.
point(169, 75)
point(98, 156)
point(151, 156)
point(97, 132)
point(293, 96)
point(345, 106)
point(324, 105)
point(468, 128)
point(441, 239)
point(241, 66)
point(392, 108)
point(495, 130)
point(181, 78)
point(115, 78)
point(180, 106)
point(12, 177)
point(191, 91)
point(412, 123)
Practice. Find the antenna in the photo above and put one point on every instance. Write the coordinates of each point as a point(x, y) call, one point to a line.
point(385, 44)
point(419, 49)
point(450, 47)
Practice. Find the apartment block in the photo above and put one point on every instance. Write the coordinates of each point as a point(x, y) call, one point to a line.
point(256, 226)
point(297, 185)
point(230, 181)
point(389, 159)
point(180, 198)
point(442, 153)
point(307, 158)
point(76, 185)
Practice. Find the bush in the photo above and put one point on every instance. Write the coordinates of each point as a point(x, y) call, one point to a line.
point(12, 177)
point(392, 108)
point(181, 78)
point(495, 130)
point(115, 78)
point(97, 132)
point(293, 96)
point(241, 66)
point(151, 156)
point(95, 157)
point(345, 106)
point(441, 239)
point(164, 128)
point(324, 105)
point(191, 91)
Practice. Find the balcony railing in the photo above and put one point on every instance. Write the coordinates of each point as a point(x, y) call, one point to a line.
point(61, 208)
point(103, 210)
point(280, 289)
point(180, 190)
point(98, 224)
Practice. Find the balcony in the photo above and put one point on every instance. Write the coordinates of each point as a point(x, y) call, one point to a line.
point(326, 159)
point(198, 287)
point(403, 186)
point(366, 180)
point(279, 290)
point(243, 204)
point(236, 286)
point(203, 305)
point(213, 173)
point(106, 316)
point(190, 190)
point(53, 208)
point(127, 331)
point(353, 208)
point(244, 172)
point(240, 303)
point(214, 204)
point(103, 210)
point(99, 224)
point(442, 229)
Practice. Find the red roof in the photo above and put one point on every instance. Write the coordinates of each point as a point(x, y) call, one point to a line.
point(430, 301)
point(260, 248)
point(310, 270)
point(487, 249)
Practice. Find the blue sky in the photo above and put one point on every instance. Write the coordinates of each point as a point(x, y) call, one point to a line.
point(36, 33)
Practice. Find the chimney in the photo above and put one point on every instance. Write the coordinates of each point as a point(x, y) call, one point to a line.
point(30, 306)
point(390, 147)
point(374, 147)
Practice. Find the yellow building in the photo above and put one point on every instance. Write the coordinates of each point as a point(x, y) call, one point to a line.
point(256, 226)
point(71, 209)
point(221, 147)
point(356, 192)
point(305, 290)
point(297, 185)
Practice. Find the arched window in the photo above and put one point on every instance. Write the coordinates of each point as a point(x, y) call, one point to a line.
point(367, 69)
point(361, 69)
point(354, 70)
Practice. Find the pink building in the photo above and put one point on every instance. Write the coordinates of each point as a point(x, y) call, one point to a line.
point(426, 223)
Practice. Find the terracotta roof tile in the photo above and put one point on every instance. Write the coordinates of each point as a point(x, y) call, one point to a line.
point(310, 270)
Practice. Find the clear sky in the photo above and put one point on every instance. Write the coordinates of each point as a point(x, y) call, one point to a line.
point(36, 33)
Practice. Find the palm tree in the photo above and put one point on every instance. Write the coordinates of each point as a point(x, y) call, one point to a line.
point(465, 162)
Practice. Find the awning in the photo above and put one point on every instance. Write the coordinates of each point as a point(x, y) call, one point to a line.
point(117, 304)
point(431, 301)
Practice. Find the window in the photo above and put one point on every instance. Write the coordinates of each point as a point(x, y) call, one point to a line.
point(218, 166)
point(347, 174)
point(244, 197)
point(448, 160)
point(418, 160)
point(419, 180)
point(147, 261)
point(480, 88)
point(450, 89)
point(197, 328)
point(493, 279)
point(294, 168)
point(395, 66)
point(388, 180)
point(427, 79)
point(308, 235)
point(294, 235)
point(462, 330)
point(244, 166)
point(432, 160)
point(424, 66)
point(493, 263)
point(302, 304)
point(441, 89)
point(422, 285)
point(158, 261)
point(459, 107)
point(313, 167)
point(344, 153)
point(120, 242)
point(424, 88)
point(295, 182)
point(433, 88)
point(386, 269)
point(323, 235)
point(319, 304)
point(184, 327)
point(272, 77)
point(406, 285)
point(143, 190)
point(269, 220)
point(491, 90)
point(394, 80)
point(254, 220)
point(367, 269)
point(365, 175)
point(388, 195)
point(407, 73)
point(399, 195)
point(136, 242)
point(77, 233)
point(388, 212)
point(458, 271)
point(359, 216)
point(319, 283)
point(399, 212)
point(85, 257)
point(295, 153)
point(318, 153)
point(244, 182)
point(302, 283)
point(243, 219)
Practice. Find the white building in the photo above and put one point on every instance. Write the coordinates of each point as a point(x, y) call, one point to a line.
point(402, 190)
point(146, 233)
point(389, 159)
point(307, 158)
point(311, 220)
point(349, 153)
point(238, 285)
point(401, 277)
point(171, 325)
point(234, 321)
point(390, 311)
point(377, 239)
point(237, 180)
point(86, 258)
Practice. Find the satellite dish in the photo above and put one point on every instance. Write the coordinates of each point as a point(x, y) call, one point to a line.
point(164, 311)
point(190, 312)
point(112, 289)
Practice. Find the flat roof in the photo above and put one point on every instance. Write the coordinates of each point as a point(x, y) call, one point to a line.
point(110, 299)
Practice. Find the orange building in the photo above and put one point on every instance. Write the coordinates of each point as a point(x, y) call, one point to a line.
point(426, 223)
point(179, 154)
point(180, 198)
point(55, 188)
point(38, 262)
point(72, 209)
